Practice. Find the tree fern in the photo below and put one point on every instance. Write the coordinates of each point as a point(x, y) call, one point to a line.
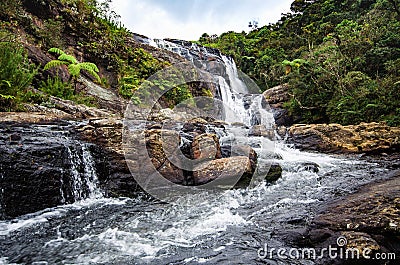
point(89, 67)
point(94, 74)
point(74, 70)
point(74, 67)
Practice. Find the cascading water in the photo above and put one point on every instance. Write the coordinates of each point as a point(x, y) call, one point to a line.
point(84, 184)
point(228, 228)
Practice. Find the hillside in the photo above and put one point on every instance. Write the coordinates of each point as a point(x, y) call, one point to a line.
point(88, 32)
point(340, 58)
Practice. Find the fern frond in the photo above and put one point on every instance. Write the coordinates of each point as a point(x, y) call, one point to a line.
point(53, 64)
point(89, 67)
point(94, 74)
point(6, 96)
point(57, 51)
point(8, 83)
point(74, 70)
point(68, 58)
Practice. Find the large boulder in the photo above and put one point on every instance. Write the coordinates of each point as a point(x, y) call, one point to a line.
point(206, 147)
point(362, 138)
point(240, 150)
point(368, 218)
point(276, 96)
point(156, 142)
point(223, 169)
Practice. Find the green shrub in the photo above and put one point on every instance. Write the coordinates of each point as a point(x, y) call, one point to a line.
point(57, 88)
point(16, 74)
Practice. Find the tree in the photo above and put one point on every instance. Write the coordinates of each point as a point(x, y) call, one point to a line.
point(74, 67)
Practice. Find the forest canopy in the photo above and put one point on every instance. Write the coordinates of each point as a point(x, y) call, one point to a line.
point(341, 59)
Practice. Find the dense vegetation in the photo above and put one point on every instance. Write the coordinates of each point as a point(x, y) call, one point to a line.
point(96, 46)
point(341, 59)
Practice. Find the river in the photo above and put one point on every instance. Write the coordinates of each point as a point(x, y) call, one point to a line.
point(225, 227)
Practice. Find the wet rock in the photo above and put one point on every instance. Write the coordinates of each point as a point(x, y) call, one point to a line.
point(15, 137)
point(368, 218)
point(276, 97)
point(364, 138)
point(222, 169)
point(262, 131)
point(197, 125)
point(308, 166)
point(282, 131)
point(282, 117)
point(240, 150)
point(360, 241)
point(35, 172)
point(206, 147)
point(156, 142)
point(239, 124)
point(274, 173)
point(104, 132)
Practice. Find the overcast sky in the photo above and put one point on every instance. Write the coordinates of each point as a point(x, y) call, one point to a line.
point(189, 19)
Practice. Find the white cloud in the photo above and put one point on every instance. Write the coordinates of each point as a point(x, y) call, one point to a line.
point(185, 19)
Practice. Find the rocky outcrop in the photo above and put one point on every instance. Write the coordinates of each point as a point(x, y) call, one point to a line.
point(67, 109)
point(369, 218)
point(363, 138)
point(276, 97)
point(49, 150)
point(39, 164)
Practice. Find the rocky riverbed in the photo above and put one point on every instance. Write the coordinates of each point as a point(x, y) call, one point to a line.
point(34, 160)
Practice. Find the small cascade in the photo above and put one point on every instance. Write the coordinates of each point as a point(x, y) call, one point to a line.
point(249, 108)
point(92, 182)
point(84, 181)
point(190, 51)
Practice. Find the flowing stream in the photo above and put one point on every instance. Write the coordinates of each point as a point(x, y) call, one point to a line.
point(217, 228)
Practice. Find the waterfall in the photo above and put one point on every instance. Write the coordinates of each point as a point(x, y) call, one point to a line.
point(240, 105)
point(249, 108)
point(84, 181)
